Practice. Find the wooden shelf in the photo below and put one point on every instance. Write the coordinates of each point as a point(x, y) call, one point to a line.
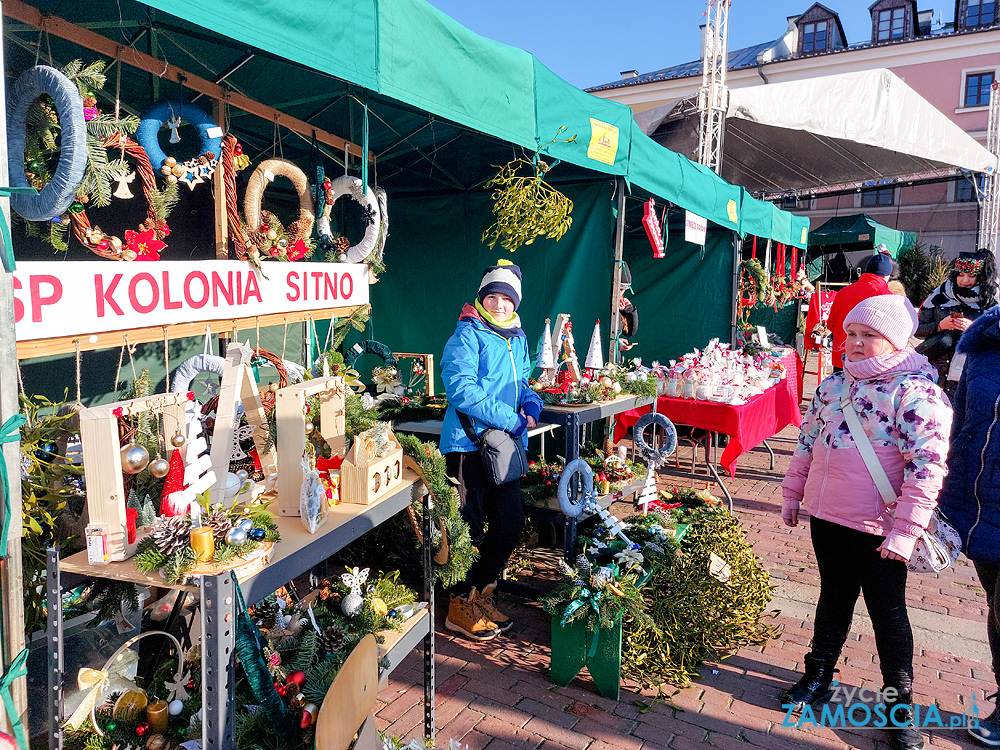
point(399, 643)
point(297, 552)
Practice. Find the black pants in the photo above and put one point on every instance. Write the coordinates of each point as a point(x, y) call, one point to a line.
point(989, 576)
point(494, 514)
point(850, 564)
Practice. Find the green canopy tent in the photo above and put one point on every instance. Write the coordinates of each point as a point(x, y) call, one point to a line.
point(859, 232)
point(440, 108)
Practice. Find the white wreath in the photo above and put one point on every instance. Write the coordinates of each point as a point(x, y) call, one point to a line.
point(188, 369)
point(352, 187)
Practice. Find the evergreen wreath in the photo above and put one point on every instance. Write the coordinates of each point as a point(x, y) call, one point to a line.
point(101, 171)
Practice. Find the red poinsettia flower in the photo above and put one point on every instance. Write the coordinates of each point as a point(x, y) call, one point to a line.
point(297, 251)
point(144, 244)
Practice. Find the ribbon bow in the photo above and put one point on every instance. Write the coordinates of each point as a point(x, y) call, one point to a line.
point(9, 433)
point(18, 668)
point(93, 683)
point(584, 598)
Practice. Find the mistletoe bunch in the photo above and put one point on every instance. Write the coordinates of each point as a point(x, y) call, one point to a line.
point(525, 206)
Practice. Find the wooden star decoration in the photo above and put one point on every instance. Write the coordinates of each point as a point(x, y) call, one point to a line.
point(191, 178)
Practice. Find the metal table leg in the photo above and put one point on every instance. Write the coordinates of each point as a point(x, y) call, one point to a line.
point(715, 473)
point(771, 452)
point(54, 648)
point(218, 629)
point(429, 678)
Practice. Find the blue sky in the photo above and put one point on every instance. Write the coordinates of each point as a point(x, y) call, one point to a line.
point(588, 42)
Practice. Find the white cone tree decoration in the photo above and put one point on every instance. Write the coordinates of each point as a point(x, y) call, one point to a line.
point(198, 473)
point(546, 361)
point(648, 492)
point(595, 360)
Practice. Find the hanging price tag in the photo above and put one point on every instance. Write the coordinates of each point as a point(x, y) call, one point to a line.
point(215, 132)
point(269, 175)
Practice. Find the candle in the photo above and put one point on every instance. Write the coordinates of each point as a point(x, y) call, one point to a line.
point(203, 543)
point(605, 487)
point(157, 715)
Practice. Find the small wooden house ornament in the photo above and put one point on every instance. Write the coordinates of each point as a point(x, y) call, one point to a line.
point(291, 418)
point(373, 468)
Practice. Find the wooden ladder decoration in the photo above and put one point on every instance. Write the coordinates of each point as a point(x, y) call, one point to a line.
point(239, 386)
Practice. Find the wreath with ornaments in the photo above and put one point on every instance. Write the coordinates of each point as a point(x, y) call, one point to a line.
point(105, 135)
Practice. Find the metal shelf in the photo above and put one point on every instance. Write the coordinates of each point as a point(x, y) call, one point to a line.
point(296, 553)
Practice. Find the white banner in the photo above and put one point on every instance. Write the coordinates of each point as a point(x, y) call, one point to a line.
point(695, 228)
point(79, 298)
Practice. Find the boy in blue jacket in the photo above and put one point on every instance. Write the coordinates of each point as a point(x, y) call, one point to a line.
point(485, 368)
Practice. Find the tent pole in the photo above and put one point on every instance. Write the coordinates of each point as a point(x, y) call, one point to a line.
point(617, 272)
point(11, 577)
point(737, 255)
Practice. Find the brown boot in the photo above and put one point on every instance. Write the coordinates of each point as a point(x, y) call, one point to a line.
point(465, 617)
point(487, 606)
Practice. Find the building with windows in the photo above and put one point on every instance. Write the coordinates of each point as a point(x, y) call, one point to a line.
point(952, 64)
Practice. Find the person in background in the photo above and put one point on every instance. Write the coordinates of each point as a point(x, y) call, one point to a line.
point(485, 368)
point(873, 282)
point(970, 497)
point(862, 546)
point(950, 309)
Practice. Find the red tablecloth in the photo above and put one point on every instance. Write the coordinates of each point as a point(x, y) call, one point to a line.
point(747, 426)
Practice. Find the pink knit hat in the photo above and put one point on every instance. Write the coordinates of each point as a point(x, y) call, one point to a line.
point(892, 315)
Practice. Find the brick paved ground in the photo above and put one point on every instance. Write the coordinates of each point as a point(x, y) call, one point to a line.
point(497, 695)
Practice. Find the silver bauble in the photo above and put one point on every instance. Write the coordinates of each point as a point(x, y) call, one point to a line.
point(244, 523)
point(351, 604)
point(342, 257)
point(159, 467)
point(242, 475)
point(134, 458)
point(236, 536)
point(177, 440)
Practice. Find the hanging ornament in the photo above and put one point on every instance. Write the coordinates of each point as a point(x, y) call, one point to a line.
point(158, 467)
point(177, 440)
point(123, 182)
point(135, 458)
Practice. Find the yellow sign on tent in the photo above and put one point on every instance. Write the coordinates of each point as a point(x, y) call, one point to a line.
point(603, 142)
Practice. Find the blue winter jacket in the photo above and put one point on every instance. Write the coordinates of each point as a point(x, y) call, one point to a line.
point(970, 497)
point(486, 376)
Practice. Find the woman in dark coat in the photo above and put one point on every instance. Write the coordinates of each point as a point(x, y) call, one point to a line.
point(950, 309)
point(970, 497)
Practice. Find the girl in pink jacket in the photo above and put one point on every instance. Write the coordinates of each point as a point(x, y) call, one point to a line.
point(861, 545)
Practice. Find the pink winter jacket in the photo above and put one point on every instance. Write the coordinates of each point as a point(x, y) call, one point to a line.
point(908, 420)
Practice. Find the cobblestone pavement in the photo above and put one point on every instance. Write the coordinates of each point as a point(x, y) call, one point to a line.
point(497, 695)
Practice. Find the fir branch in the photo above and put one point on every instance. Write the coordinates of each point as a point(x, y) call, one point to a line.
point(308, 649)
point(150, 560)
point(162, 202)
point(178, 564)
point(357, 320)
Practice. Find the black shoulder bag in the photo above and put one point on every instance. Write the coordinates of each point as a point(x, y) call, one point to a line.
point(503, 454)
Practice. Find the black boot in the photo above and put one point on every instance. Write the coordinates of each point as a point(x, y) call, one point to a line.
point(900, 712)
point(814, 686)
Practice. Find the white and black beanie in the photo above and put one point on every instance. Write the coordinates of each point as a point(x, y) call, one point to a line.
point(503, 278)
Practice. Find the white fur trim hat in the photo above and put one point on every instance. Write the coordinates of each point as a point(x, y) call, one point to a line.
point(503, 278)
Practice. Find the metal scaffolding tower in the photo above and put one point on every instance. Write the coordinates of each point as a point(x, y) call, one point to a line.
point(989, 215)
point(713, 96)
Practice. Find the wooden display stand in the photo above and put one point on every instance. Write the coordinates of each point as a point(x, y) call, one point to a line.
point(291, 419)
point(238, 386)
point(365, 477)
point(102, 459)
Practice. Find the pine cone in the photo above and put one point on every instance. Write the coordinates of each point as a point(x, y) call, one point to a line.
point(341, 244)
point(219, 523)
point(333, 638)
point(171, 533)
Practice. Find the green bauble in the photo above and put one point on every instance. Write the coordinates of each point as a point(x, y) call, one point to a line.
point(112, 726)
